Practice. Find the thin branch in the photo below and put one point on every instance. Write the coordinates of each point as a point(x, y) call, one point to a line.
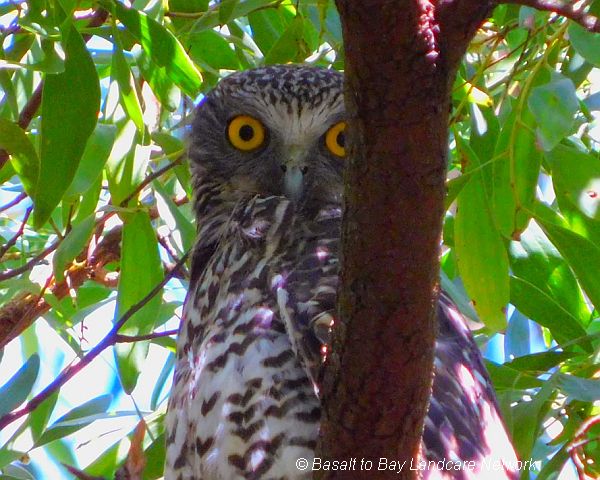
point(16, 236)
point(27, 114)
point(574, 448)
point(19, 198)
point(31, 107)
point(575, 11)
point(149, 179)
point(67, 373)
point(35, 260)
point(149, 336)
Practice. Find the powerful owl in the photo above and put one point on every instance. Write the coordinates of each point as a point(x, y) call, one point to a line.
point(267, 157)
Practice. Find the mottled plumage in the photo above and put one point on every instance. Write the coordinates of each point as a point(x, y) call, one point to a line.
point(244, 402)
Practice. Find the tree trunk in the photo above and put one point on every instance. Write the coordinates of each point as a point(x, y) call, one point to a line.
point(400, 63)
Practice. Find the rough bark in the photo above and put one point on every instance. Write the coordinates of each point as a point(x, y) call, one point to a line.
point(400, 62)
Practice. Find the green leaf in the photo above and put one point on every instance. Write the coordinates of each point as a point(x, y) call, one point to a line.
point(127, 92)
point(174, 147)
point(19, 386)
point(155, 454)
point(544, 309)
point(75, 419)
point(162, 47)
point(288, 45)
point(587, 44)
point(525, 419)
point(584, 389)
point(210, 48)
point(127, 163)
point(484, 131)
point(160, 83)
point(514, 174)
point(539, 362)
point(211, 18)
point(480, 251)
point(576, 176)
point(577, 250)
point(507, 378)
point(535, 260)
point(139, 254)
point(162, 378)
point(16, 472)
point(453, 188)
point(554, 106)
point(70, 104)
point(38, 419)
point(94, 158)
point(105, 465)
point(7, 171)
point(184, 226)
point(267, 27)
point(226, 9)
point(72, 245)
point(9, 456)
point(24, 158)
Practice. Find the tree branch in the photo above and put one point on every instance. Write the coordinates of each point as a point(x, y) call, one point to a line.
point(576, 11)
point(18, 199)
point(22, 310)
point(147, 180)
point(378, 375)
point(16, 236)
point(32, 262)
point(67, 373)
point(139, 338)
point(575, 446)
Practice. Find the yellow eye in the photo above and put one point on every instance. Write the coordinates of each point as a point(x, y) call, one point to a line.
point(246, 133)
point(335, 139)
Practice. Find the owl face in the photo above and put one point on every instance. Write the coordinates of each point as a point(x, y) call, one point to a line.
point(275, 131)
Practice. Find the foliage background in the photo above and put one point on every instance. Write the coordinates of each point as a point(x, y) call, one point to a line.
point(95, 214)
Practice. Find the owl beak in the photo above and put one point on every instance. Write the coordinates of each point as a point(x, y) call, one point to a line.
point(293, 182)
point(294, 169)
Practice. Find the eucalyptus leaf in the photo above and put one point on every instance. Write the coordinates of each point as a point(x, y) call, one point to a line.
point(24, 158)
point(69, 114)
point(162, 46)
point(139, 254)
point(75, 419)
point(14, 392)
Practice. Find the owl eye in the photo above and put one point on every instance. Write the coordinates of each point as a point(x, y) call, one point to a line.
point(335, 139)
point(246, 133)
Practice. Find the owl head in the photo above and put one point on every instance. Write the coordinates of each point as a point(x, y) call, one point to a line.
point(277, 130)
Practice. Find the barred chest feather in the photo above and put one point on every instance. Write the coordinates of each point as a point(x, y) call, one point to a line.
point(243, 405)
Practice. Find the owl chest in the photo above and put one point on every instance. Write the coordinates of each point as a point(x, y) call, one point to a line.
point(249, 406)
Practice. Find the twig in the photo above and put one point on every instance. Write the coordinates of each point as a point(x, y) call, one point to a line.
point(575, 11)
point(27, 114)
point(19, 198)
point(149, 179)
point(14, 239)
point(67, 373)
point(23, 268)
point(575, 445)
point(138, 338)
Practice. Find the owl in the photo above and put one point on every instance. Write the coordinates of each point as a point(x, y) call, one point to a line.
point(267, 153)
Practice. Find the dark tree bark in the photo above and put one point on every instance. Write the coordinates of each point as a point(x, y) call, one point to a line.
point(401, 57)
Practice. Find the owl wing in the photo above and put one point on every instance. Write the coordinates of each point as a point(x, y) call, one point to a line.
point(305, 283)
point(463, 422)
